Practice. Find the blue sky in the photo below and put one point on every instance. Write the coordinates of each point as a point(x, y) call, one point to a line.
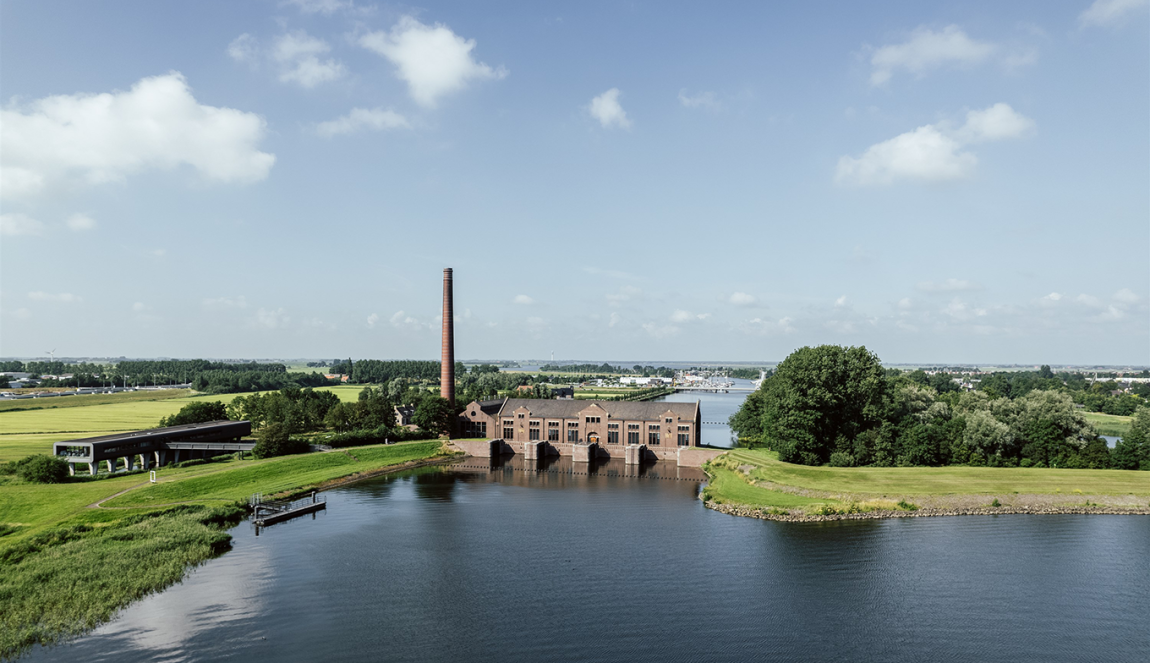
point(942, 182)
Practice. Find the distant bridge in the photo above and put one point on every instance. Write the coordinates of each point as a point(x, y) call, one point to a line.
point(711, 388)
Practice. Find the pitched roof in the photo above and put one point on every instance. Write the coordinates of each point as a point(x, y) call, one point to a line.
point(570, 409)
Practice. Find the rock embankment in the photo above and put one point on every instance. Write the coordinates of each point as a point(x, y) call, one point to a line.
point(767, 514)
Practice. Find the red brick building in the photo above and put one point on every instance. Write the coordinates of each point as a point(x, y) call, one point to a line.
point(663, 427)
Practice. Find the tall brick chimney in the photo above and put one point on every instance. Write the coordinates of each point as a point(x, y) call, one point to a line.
point(447, 356)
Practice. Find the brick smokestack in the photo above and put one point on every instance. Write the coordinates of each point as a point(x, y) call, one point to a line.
point(447, 356)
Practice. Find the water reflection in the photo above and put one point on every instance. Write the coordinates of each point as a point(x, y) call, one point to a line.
point(553, 560)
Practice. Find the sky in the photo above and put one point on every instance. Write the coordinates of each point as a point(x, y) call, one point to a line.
point(946, 182)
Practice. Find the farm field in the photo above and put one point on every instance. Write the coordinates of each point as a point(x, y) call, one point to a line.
point(29, 431)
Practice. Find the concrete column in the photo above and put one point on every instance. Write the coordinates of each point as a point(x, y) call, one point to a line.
point(111, 465)
point(92, 468)
point(531, 450)
point(71, 469)
point(157, 455)
point(177, 458)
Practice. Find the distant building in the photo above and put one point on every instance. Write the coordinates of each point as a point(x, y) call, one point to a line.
point(336, 376)
point(563, 392)
point(646, 382)
point(404, 415)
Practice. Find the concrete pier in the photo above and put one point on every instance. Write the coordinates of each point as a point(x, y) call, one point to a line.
point(633, 454)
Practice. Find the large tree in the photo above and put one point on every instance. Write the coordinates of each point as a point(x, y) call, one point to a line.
point(434, 414)
point(820, 399)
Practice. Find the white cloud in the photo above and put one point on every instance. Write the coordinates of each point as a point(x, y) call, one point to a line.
point(742, 299)
point(660, 331)
point(1126, 296)
point(139, 307)
point(16, 224)
point(22, 313)
point(431, 59)
point(375, 119)
point(100, 137)
point(841, 301)
point(905, 303)
point(1052, 298)
point(371, 320)
point(226, 302)
point(63, 297)
point(244, 49)
point(932, 152)
point(402, 320)
point(701, 100)
point(271, 319)
point(1089, 300)
point(536, 324)
point(615, 319)
point(1109, 13)
point(960, 310)
point(607, 110)
point(298, 55)
point(681, 316)
point(523, 299)
point(625, 294)
point(80, 222)
point(926, 50)
point(998, 122)
point(949, 285)
point(760, 326)
point(159, 253)
point(325, 7)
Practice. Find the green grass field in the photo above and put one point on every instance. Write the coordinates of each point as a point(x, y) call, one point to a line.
point(879, 481)
point(25, 431)
point(1108, 424)
point(726, 487)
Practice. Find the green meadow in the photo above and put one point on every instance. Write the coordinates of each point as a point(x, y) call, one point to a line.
point(864, 483)
point(1108, 424)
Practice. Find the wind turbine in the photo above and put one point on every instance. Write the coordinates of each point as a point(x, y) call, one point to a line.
point(52, 354)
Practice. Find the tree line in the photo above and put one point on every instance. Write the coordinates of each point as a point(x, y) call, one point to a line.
point(839, 406)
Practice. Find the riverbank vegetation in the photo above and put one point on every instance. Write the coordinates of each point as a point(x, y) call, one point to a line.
point(838, 406)
point(66, 567)
point(756, 478)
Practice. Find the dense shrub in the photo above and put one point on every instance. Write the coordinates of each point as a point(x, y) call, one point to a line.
point(43, 468)
point(198, 412)
point(275, 440)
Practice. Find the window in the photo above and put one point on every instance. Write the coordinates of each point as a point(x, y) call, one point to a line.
point(572, 431)
point(684, 436)
point(670, 420)
point(633, 436)
point(533, 434)
point(521, 415)
point(508, 433)
point(632, 426)
point(612, 437)
point(552, 431)
point(615, 426)
point(653, 438)
point(592, 420)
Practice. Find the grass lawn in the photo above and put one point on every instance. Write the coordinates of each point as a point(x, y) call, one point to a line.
point(1108, 424)
point(726, 487)
point(942, 480)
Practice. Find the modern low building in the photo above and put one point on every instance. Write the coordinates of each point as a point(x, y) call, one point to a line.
point(157, 446)
point(663, 428)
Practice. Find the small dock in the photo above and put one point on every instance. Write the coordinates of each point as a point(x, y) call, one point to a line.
point(270, 512)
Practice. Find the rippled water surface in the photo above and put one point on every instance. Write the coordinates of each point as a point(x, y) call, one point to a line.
point(508, 564)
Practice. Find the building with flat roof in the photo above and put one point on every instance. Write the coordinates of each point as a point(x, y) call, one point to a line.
point(156, 446)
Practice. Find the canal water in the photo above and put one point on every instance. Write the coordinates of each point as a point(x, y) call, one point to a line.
point(476, 562)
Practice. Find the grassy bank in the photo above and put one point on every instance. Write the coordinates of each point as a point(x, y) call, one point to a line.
point(757, 478)
point(66, 566)
point(1108, 424)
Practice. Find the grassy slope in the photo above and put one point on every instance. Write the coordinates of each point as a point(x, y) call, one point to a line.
point(726, 487)
point(1108, 424)
point(942, 480)
point(274, 475)
point(86, 400)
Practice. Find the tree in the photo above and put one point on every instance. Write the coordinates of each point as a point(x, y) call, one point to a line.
point(275, 439)
point(434, 414)
point(43, 468)
point(1132, 452)
point(823, 398)
point(197, 413)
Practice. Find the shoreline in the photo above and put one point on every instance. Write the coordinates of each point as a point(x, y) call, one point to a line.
point(761, 513)
point(339, 482)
